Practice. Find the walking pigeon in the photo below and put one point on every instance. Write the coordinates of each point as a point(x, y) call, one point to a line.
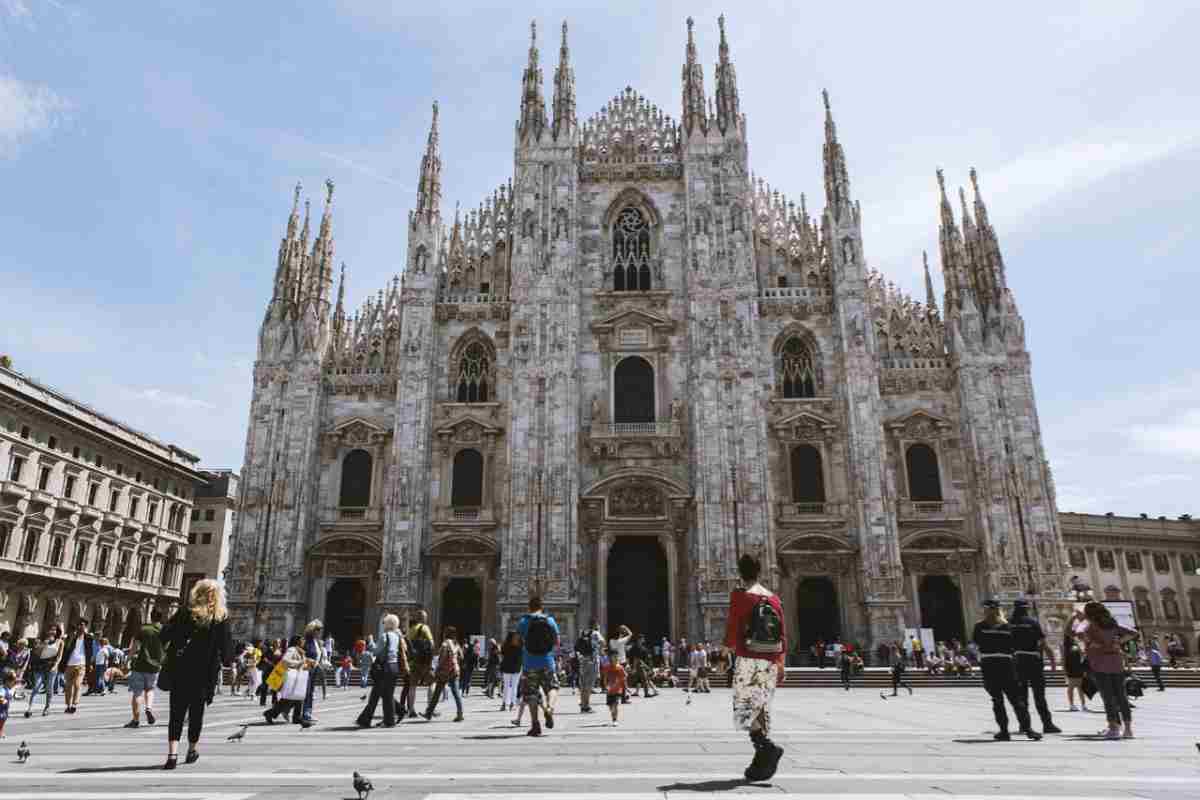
point(362, 786)
point(237, 737)
point(22, 753)
point(882, 696)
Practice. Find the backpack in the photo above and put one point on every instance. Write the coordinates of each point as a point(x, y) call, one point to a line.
point(764, 629)
point(422, 648)
point(539, 636)
point(583, 646)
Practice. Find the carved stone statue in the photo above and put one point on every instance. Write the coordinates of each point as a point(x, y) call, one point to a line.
point(597, 409)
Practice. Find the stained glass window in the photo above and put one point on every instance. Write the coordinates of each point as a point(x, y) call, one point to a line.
point(631, 252)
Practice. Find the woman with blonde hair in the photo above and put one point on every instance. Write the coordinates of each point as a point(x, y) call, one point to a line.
point(993, 636)
point(197, 646)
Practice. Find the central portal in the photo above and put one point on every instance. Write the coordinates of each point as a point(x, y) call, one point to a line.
point(817, 612)
point(462, 607)
point(638, 589)
point(345, 607)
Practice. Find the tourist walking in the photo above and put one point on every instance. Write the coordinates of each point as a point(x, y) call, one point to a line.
point(143, 672)
point(510, 670)
point(8, 684)
point(994, 639)
point(539, 637)
point(197, 645)
point(470, 659)
point(293, 662)
point(391, 656)
point(314, 651)
point(846, 668)
point(43, 656)
point(1103, 638)
point(365, 653)
point(755, 632)
point(420, 661)
point(639, 655)
point(614, 677)
point(447, 674)
point(619, 643)
point(897, 661)
point(1074, 667)
point(491, 671)
point(1156, 665)
point(74, 661)
point(1029, 643)
point(588, 648)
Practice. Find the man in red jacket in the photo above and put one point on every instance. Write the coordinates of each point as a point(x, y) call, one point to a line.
point(755, 632)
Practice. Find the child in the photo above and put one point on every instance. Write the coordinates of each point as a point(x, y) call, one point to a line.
point(613, 675)
point(343, 672)
point(6, 696)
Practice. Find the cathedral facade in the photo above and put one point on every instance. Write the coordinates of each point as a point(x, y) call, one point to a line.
point(630, 363)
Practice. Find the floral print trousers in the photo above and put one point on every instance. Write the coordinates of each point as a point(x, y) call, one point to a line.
point(753, 690)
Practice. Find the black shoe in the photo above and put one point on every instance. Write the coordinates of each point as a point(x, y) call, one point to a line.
point(1032, 735)
point(1050, 727)
point(172, 761)
point(192, 757)
point(536, 730)
point(771, 760)
point(756, 771)
point(549, 719)
point(909, 690)
point(133, 723)
point(149, 717)
point(269, 717)
point(28, 714)
point(1002, 736)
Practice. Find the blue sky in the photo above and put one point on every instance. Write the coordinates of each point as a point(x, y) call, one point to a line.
point(148, 150)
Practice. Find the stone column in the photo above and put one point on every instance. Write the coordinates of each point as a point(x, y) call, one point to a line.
point(668, 545)
point(603, 544)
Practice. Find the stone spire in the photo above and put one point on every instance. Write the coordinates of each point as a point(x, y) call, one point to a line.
point(989, 245)
point(930, 298)
point(322, 253)
point(429, 184)
point(837, 180)
point(287, 246)
point(564, 92)
point(533, 104)
point(694, 117)
point(951, 246)
point(727, 93)
point(339, 311)
point(973, 264)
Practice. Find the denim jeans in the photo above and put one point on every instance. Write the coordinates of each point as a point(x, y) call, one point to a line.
point(39, 681)
point(442, 684)
point(314, 675)
point(1112, 691)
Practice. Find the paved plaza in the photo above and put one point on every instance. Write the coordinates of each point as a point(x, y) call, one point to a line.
point(936, 743)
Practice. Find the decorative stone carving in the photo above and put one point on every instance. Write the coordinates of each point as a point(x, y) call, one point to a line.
point(635, 501)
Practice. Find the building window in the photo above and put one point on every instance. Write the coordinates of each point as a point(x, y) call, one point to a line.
point(114, 497)
point(191, 537)
point(120, 469)
point(631, 252)
point(1141, 602)
point(206, 539)
point(133, 506)
point(57, 551)
point(1162, 563)
point(796, 369)
point(81, 551)
point(356, 480)
point(808, 478)
point(24, 431)
point(123, 564)
point(31, 546)
point(99, 460)
point(52, 442)
point(473, 372)
point(1133, 561)
point(924, 478)
point(75, 452)
point(102, 560)
point(195, 515)
point(209, 515)
point(5, 535)
point(1194, 602)
point(1188, 562)
point(1170, 606)
point(1077, 557)
point(43, 478)
point(466, 486)
point(152, 516)
point(154, 483)
point(14, 471)
point(69, 487)
point(1106, 560)
point(633, 391)
point(143, 568)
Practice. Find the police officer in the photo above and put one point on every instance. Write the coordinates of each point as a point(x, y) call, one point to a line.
point(993, 637)
point(1028, 645)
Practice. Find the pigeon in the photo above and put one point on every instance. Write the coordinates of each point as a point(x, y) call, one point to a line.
point(237, 737)
point(362, 786)
point(882, 696)
point(22, 753)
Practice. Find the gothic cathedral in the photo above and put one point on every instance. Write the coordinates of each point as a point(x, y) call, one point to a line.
point(627, 365)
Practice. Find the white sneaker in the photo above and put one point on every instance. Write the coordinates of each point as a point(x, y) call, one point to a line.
point(615, 723)
point(1072, 708)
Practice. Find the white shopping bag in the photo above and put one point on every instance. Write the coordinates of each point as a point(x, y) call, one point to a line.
point(295, 685)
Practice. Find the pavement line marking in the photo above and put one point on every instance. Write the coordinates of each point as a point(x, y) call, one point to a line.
point(492, 777)
point(126, 796)
point(784, 796)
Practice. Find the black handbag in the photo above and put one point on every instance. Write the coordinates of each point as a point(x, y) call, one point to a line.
point(166, 679)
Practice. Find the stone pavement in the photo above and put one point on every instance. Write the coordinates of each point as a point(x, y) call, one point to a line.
point(936, 743)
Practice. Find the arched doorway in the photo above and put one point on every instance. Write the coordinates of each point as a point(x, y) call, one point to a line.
point(924, 478)
point(941, 607)
point(633, 391)
point(345, 611)
point(638, 589)
point(356, 480)
point(817, 612)
point(462, 606)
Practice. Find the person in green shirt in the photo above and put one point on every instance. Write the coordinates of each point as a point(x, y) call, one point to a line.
point(143, 672)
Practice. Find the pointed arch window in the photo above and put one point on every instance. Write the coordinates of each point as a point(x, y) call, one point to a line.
point(356, 480)
point(631, 251)
point(796, 369)
point(466, 484)
point(473, 370)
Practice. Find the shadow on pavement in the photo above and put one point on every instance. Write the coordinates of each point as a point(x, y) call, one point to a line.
point(709, 786)
point(90, 770)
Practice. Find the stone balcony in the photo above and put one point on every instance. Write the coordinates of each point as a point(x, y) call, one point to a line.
point(814, 512)
point(14, 489)
point(464, 517)
point(42, 499)
point(930, 510)
point(352, 516)
point(635, 439)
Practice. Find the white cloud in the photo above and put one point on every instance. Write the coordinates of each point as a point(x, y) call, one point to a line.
point(364, 169)
point(17, 9)
point(1157, 479)
point(1178, 435)
point(164, 398)
point(26, 110)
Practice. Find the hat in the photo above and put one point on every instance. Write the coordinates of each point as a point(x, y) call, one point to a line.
point(991, 603)
point(1021, 603)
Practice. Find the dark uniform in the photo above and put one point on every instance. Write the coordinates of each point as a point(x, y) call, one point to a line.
point(996, 662)
point(1027, 639)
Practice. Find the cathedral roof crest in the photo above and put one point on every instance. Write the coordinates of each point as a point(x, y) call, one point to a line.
point(629, 130)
